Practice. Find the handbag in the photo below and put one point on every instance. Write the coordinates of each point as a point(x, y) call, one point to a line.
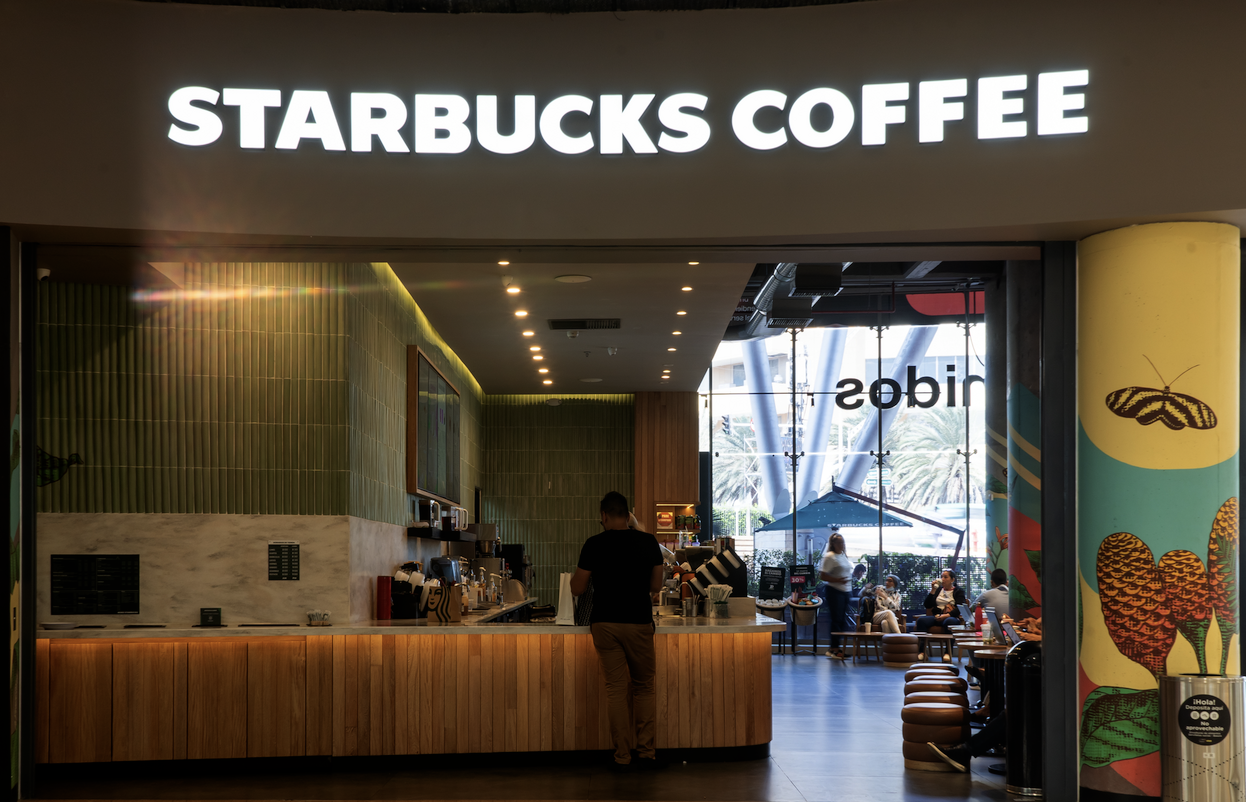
point(584, 607)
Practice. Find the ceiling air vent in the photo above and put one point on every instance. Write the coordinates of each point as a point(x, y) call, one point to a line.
point(585, 324)
point(789, 313)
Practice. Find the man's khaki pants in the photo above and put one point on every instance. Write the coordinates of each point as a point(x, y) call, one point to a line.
point(626, 654)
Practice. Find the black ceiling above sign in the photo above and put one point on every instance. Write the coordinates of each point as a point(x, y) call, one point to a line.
point(511, 6)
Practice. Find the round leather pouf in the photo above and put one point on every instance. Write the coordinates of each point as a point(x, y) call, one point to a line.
point(896, 638)
point(944, 684)
point(920, 752)
point(900, 660)
point(937, 696)
point(934, 733)
point(947, 667)
point(933, 671)
point(935, 713)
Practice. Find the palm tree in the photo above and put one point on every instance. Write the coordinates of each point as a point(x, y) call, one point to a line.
point(925, 468)
point(735, 463)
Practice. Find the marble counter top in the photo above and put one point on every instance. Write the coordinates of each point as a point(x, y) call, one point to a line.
point(477, 624)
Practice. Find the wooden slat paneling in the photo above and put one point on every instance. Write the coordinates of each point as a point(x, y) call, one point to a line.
point(216, 699)
point(80, 702)
point(277, 699)
point(42, 670)
point(382, 694)
point(666, 458)
point(144, 698)
point(320, 696)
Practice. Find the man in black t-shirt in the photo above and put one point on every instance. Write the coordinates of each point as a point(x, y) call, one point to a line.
point(625, 567)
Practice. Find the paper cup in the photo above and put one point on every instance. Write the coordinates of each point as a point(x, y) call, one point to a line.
point(868, 626)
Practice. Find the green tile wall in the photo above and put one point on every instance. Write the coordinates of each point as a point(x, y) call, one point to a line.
point(227, 397)
point(546, 469)
point(382, 320)
point(258, 388)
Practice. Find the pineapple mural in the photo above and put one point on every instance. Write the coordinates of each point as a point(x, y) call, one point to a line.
point(1189, 599)
point(1135, 602)
point(1222, 574)
point(1157, 476)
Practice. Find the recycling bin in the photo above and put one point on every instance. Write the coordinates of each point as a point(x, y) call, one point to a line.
point(1202, 738)
point(1023, 683)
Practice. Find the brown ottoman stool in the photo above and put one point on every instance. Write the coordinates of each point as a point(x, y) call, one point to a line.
point(899, 650)
point(943, 684)
point(914, 673)
point(950, 668)
point(918, 757)
point(931, 722)
point(937, 696)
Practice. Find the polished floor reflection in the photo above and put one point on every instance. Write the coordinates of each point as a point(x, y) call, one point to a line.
point(836, 737)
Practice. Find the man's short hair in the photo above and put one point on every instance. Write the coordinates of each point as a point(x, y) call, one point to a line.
point(999, 577)
point(614, 504)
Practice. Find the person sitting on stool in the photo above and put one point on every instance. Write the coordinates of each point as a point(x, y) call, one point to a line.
point(940, 604)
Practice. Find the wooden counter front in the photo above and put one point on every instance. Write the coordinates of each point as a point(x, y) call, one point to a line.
point(343, 695)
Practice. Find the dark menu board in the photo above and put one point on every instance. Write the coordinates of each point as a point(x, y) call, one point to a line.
point(802, 578)
point(773, 578)
point(437, 433)
point(283, 560)
point(94, 584)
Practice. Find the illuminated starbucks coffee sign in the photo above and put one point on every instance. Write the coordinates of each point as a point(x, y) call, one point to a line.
point(997, 107)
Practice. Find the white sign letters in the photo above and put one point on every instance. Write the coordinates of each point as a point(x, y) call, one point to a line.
point(764, 119)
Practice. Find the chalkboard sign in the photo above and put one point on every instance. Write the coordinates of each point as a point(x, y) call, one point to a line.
point(773, 578)
point(802, 578)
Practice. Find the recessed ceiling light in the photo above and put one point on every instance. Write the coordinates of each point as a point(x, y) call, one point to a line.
point(666, 377)
point(573, 279)
point(542, 370)
point(670, 349)
point(686, 289)
point(666, 371)
point(537, 357)
point(522, 313)
point(548, 381)
point(528, 333)
point(676, 332)
point(590, 381)
point(534, 348)
point(681, 312)
point(503, 263)
point(513, 290)
point(694, 263)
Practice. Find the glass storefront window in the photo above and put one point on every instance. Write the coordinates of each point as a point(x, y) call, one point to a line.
point(748, 426)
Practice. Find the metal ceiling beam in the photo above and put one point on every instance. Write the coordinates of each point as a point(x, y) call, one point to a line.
point(921, 269)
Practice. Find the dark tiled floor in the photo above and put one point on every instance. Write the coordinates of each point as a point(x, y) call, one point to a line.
point(836, 737)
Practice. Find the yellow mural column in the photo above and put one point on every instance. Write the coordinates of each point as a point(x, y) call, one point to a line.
point(1157, 386)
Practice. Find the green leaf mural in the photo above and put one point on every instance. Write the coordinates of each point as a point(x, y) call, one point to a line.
point(1019, 597)
point(1036, 562)
point(1119, 724)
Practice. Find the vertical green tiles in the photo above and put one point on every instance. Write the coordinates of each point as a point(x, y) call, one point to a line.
point(227, 396)
point(546, 469)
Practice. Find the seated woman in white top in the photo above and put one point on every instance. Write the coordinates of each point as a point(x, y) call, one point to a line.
point(887, 605)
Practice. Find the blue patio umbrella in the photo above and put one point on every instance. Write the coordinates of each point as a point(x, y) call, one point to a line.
point(834, 509)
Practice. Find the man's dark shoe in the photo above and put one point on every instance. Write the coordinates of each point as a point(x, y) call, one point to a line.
point(650, 764)
point(955, 756)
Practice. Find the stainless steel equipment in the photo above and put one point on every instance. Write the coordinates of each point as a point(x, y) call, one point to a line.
point(446, 568)
point(1202, 738)
point(492, 565)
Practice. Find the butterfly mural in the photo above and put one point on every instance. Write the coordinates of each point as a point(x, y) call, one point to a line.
point(1147, 405)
